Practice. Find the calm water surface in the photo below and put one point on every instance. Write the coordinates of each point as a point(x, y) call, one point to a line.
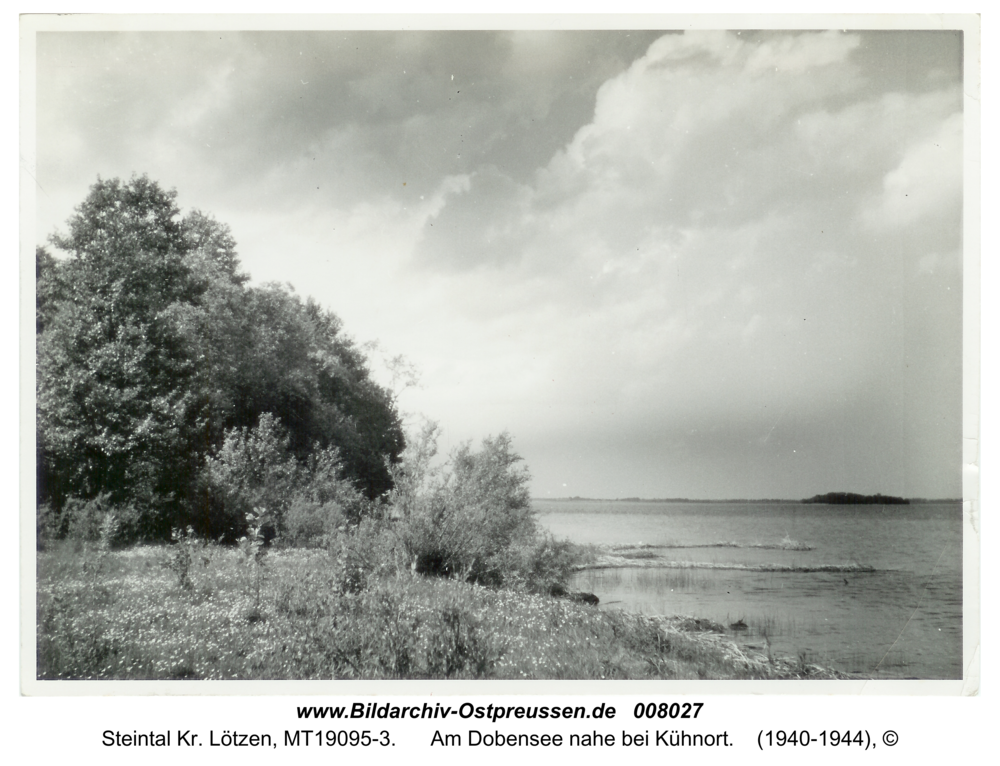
point(901, 620)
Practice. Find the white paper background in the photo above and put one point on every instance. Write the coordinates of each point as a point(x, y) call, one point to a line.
point(934, 728)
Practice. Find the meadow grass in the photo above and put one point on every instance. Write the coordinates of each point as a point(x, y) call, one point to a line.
point(132, 615)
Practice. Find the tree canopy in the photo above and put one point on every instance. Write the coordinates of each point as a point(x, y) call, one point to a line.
point(151, 346)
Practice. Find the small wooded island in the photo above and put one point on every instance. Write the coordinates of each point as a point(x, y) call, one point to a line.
point(852, 498)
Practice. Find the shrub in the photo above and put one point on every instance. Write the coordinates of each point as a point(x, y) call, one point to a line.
point(125, 525)
point(255, 469)
point(96, 520)
point(48, 525)
point(84, 519)
point(320, 480)
point(365, 553)
point(252, 547)
point(546, 564)
point(321, 503)
point(415, 478)
point(182, 557)
point(252, 469)
point(474, 519)
point(309, 524)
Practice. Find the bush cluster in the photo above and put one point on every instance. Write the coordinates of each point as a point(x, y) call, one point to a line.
point(469, 519)
point(97, 520)
point(307, 500)
point(472, 519)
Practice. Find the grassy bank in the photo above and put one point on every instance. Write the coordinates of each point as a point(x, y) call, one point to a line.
point(212, 612)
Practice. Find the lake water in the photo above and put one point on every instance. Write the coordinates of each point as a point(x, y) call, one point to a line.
point(873, 590)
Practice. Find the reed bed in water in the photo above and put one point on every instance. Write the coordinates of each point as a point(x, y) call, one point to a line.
point(617, 561)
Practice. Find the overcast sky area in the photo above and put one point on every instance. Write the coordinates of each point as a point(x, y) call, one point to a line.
point(706, 265)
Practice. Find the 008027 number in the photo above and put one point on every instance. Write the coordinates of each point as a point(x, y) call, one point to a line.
point(667, 709)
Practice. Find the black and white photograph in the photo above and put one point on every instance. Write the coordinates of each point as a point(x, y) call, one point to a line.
point(515, 354)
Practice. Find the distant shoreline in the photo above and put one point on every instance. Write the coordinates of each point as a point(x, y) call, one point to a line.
point(808, 501)
point(657, 500)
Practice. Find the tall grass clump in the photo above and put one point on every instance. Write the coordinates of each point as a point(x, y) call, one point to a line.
point(366, 553)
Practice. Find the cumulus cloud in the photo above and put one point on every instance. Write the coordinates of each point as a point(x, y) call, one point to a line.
point(927, 183)
point(699, 241)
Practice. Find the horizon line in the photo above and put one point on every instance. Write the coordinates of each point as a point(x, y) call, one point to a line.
point(635, 499)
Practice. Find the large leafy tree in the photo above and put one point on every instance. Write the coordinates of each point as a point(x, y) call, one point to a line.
point(266, 350)
point(151, 345)
point(113, 399)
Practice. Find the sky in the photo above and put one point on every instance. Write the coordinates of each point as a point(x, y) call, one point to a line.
point(702, 264)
